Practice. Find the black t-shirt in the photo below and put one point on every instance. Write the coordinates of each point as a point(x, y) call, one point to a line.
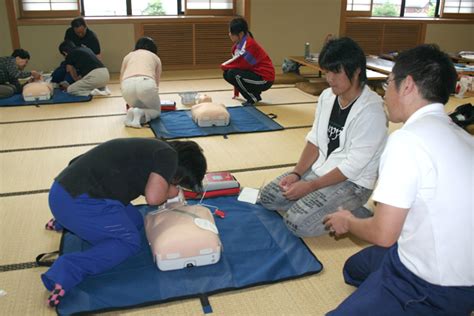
point(119, 169)
point(336, 124)
point(84, 60)
point(89, 40)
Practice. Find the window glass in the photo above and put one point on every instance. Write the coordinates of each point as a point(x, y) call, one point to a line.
point(358, 5)
point(420, 8)
point(105, 8)
point(154, 7)
point(459, 6)
point(386, 7)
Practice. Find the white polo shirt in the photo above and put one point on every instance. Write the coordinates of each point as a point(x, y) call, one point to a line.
point(428, 168)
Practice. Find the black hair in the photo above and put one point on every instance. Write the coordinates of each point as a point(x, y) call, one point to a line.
point(344, 54)
point(147, 43)
point(77, 22)
point(19, 52)
point(66, 47)
point(238, 25)
point(431, 69)
point(192, 164)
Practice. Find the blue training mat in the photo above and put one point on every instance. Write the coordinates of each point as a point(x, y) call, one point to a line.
point(258, 249)
point(243, 119)
point(58, 97)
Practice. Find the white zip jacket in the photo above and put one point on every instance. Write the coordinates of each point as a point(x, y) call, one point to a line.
point(361, 142)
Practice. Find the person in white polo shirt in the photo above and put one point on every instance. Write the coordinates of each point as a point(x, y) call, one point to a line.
point(423, 228)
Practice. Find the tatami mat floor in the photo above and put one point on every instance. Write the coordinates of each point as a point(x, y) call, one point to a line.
point(38, 142)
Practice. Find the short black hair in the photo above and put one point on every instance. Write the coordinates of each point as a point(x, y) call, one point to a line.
point(66, 47)
point(20, 52)
point(192, 165)
point(147, 43)
point(344, 54)
point(431, 69)
point(77, 22)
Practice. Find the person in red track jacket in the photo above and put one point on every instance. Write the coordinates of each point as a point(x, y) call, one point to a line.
point(250, 70)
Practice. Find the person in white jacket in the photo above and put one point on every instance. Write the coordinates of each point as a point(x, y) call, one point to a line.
point(338, 165)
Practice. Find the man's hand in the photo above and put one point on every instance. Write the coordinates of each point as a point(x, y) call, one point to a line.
point(36, 75)
point(338, 222)
point(288, 180)
point(297, 190)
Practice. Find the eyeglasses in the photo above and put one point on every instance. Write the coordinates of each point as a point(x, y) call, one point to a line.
point(386, 83)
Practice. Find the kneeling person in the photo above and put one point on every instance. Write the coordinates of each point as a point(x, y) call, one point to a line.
point(94, 75)
point(92, 198)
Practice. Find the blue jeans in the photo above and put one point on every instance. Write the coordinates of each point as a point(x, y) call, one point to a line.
point(386, 287)
point(304, 217)
point(112, 229)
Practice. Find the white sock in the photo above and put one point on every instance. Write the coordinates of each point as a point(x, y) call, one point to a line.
point(129, 117)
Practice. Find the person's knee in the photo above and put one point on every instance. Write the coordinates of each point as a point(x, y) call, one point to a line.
point(6, 91)
point(270, 196)
point(304, 223)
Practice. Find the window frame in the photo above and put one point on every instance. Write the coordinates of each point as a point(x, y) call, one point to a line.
point(26, 14)
point(439, 14)
point(218, 12)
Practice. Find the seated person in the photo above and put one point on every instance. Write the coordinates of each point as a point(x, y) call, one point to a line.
point(338, 165)
point(422, 261)
point(139, 80)
point(11, 69)
point(80, 35)
point(250, 70)
point(94, 75)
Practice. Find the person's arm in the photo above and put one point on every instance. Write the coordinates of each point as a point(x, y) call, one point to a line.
point(156, 189)
point(383, 229)
point(72, 71)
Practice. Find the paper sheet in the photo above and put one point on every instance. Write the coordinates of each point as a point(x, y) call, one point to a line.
point(249, 195)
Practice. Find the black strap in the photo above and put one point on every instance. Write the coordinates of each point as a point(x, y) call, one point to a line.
point(42, 259)
point(206, 306)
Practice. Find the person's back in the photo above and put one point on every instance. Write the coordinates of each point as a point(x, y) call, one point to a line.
point(84, 60)
point(141, 62)
point(442, 209)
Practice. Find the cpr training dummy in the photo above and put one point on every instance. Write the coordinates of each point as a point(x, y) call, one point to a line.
point(38, 90)
point(207, 113)
point(182, 235)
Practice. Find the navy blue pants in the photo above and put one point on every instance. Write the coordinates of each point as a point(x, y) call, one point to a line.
point(60, 74)
point(386, 287)
point(112, 229)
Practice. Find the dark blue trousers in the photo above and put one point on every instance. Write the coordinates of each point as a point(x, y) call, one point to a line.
point(60, 74)
point(386, 287)
point(112, 229)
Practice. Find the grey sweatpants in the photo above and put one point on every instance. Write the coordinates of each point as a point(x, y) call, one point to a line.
point(7, 90)
point(304, 217)
point(97, 78)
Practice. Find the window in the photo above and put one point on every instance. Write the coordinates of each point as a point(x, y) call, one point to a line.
point(51, 8)
point(209, 7)
point(131, 7)
point(411, 8)
point(156, 7)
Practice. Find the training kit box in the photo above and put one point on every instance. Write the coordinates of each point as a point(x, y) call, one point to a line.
point(216, 184)
point(167, 105)
point(182, 236)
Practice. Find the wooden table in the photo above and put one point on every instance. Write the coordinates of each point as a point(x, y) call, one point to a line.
point(371, 74)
